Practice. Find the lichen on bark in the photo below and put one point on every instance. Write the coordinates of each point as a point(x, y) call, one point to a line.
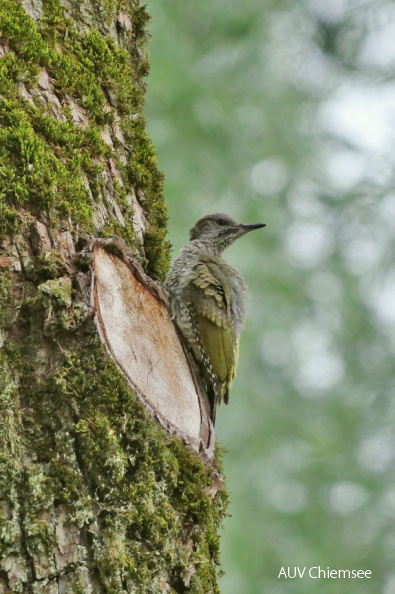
point(94, 495)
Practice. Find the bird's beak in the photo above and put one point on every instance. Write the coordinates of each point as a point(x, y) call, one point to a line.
point(246, 228)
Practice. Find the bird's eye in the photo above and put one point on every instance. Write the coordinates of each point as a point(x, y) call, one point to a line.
point(221, 222)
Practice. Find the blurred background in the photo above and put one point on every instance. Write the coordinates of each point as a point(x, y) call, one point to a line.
point(283, 112)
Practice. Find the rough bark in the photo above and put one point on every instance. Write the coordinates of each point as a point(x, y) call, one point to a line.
point(95, 494)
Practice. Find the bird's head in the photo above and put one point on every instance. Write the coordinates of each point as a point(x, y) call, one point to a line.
point(219, 231)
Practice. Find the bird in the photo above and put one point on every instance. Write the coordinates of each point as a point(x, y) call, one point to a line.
point(206, 298)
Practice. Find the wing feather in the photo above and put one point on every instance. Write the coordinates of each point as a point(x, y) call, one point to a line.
point(210, 299)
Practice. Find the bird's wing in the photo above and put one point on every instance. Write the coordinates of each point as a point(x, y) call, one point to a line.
point(210, 298)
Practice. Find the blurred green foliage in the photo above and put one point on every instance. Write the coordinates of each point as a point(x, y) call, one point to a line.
point(283, 112)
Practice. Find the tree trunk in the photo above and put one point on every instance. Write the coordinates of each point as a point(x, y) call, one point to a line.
point(95, 495)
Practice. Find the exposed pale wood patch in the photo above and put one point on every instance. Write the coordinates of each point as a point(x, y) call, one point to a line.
point(137, 330)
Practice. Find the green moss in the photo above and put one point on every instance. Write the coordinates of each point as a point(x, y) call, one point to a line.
point(149, 487)
point(146, 489)
point(45, 162)
point(10, 447)
point(146, 175)
point(6, 302)
point(59, 289)
point(50, 265)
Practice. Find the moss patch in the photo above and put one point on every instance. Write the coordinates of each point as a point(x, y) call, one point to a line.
point(46, 159)
point(155, 515)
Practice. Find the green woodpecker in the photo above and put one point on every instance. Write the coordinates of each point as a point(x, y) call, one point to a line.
point(207, 302)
